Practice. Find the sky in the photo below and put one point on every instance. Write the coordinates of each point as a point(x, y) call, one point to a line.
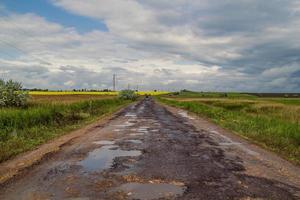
point(205, 45)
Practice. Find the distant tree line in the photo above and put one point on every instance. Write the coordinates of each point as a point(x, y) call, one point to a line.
point(74, 90)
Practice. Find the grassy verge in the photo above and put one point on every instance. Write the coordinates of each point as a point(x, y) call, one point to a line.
point(272, 126)
point(24, 129)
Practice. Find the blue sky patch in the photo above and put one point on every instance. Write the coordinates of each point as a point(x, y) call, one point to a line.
point(55, 14)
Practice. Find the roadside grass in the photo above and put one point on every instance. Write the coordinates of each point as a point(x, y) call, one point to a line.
point(23, 129)
point(287, 101)
point(192, 94)
point(271, 124)
point(68, 98)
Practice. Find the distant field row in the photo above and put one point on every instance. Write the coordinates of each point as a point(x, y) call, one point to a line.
point(92, 93)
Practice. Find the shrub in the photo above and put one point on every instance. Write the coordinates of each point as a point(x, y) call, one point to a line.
point(128, 95)
point(11, 94)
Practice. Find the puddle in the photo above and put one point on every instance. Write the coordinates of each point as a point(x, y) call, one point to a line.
point(149, 191)
point(126, 124)
point(130, 115)
point(185, 115)
point(143, 129)
point(229, 143)
point(104, 142)
point(136, 134)
point(135, 141)
point(102, 158)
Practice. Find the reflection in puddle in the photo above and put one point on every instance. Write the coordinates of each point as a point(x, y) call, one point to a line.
point(135, 141)
point(103, 158)
point(143, 129)
point(126, 124)
point(148, 191)
point(229, 143)
point(136, 134)
point(104, 142)
point(130, 115)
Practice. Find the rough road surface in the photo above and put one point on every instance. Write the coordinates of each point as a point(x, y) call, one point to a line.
point(150, 152)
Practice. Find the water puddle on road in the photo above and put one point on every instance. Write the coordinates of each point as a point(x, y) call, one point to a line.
point(133, 115)
point(104, 142)
point(149, 191)
point(135, 141)
point(136, 134)
point(103, 158)
point(185, 115)
point(143, 129)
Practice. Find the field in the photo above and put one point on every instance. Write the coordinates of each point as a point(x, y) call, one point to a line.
point(47, 117)
point(273, 123)
point(67, 98)
point(53, 93)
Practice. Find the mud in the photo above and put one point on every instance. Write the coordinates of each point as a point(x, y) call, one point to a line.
point(149, 191)
point(150, 152)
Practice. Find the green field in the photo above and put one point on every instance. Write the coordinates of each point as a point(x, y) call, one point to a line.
point(273, 123)
point(23, 129)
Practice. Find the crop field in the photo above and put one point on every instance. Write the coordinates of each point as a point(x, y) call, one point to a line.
point(49, 116)
point(53, 93)
point(68, 98)
point(273, 123)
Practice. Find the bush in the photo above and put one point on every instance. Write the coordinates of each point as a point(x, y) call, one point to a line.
point(128, 95)
point(11, 94)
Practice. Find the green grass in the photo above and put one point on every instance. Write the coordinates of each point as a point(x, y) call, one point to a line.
point(287, 101)
point(22, 129)
point(192, 94)
point(272, 125)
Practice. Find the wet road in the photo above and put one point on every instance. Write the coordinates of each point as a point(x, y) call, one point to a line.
point(149, 152)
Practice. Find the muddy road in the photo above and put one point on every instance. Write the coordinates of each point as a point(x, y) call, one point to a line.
point(150, 152)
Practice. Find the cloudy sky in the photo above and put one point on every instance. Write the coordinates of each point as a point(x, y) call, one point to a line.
point(203, 45)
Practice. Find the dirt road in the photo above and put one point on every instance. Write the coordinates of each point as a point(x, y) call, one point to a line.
point(150, 152)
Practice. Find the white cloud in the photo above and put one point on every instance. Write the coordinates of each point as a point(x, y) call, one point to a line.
point(159, 44)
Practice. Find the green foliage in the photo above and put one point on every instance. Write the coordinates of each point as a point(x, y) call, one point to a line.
point(268, 125)
point(22, 129)
point(128, 95)
point(11, 94)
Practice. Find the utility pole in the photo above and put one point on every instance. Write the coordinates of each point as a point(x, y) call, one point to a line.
point(114, 82)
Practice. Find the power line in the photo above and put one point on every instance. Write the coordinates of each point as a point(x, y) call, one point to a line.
point(24, 52)
point(114, 82)
point(24, 33)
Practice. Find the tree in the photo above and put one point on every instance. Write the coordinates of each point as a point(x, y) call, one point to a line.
point(11, 94)
point(127, 95)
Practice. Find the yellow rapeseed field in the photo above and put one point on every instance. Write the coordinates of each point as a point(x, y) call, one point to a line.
point(153, 93)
